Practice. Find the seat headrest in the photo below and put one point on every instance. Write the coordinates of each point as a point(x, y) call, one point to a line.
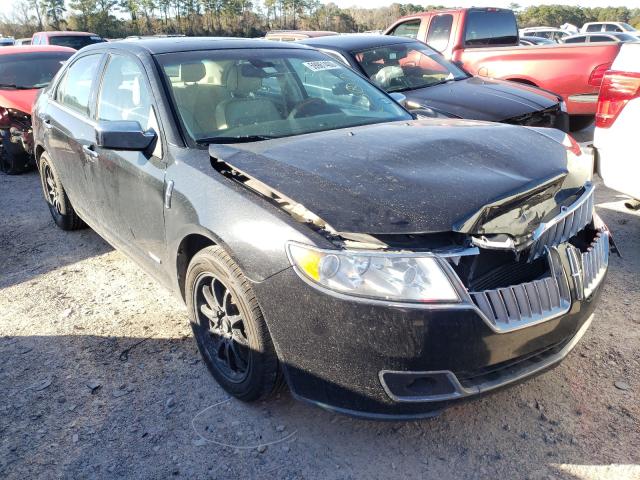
point(244, 79)
point(192, 72)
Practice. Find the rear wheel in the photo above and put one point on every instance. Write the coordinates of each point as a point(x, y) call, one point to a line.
point(59, 205)
point(13, 158)
point(229, 328)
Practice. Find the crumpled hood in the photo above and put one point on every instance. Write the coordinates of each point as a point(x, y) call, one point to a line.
point(479, 98)
point(22, 100)
point(409, 177)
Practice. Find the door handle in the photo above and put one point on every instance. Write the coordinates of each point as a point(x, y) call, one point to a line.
point(90, 152)
point(47, 123)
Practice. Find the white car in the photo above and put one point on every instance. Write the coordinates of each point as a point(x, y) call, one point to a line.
point(617, 120)
point(609, 27)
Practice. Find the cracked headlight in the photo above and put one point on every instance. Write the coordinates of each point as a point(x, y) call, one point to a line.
point(398, 277)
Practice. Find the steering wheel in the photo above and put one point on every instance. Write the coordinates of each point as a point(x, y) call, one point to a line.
point(308, 107)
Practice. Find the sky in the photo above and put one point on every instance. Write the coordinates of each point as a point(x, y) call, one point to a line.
point(492, 3)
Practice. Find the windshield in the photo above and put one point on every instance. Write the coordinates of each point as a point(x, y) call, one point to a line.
point(407, 66)
point(627, 27)
point(75, 41)
point(227, 96)
point(30, 70)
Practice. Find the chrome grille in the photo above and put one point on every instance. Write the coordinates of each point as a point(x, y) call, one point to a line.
point(594, 262)
point(563, 227)
point(520, 305)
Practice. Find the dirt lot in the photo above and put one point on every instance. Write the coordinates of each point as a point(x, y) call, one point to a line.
point(99, 378)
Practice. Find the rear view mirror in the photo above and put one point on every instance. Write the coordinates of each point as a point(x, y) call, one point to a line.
point(124, 135)
point(399, 98)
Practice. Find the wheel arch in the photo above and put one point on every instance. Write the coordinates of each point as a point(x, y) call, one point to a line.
point(188, 247)
point(37, 153)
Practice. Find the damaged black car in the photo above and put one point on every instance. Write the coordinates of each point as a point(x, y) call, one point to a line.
point(320, 235)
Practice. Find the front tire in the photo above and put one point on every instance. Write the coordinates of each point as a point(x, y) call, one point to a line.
point(13, 158)
point(60, 207)
point(229, 327)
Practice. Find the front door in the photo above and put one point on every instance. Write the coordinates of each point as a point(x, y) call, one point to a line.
point(130, 184)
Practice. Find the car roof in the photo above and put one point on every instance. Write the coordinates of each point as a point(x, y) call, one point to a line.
point(157, 46)
point(34, 49)
point(351, 43)
point(66, 33)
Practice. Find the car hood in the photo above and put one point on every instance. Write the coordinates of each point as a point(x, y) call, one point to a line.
point(479, 98)
point(22, 100)
point(420, 176)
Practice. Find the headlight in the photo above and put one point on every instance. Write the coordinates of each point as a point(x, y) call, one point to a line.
point(385, 276)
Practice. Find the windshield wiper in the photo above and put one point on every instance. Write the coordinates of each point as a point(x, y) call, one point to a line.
point(241, 139)
point(14, 86)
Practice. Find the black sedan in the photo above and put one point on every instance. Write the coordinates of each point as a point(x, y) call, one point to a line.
point(319, 235)
point(431, 82)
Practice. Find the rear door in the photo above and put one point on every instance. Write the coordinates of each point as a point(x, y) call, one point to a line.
point(129, 185)
point(70, 130)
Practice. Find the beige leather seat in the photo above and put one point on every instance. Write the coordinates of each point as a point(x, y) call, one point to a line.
point(198, 101)
point(244, 107)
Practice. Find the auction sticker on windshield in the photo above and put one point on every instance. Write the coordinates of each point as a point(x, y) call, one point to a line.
point(320, 65)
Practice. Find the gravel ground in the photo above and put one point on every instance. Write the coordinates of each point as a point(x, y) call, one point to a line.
point(99, 378)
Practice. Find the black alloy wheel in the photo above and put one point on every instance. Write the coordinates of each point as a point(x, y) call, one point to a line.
point(229, 328)
point(221, 327)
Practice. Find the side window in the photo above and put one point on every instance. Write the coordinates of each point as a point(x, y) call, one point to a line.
point(407, 29)
point(576, 40)
point(124, 94)
point(440, 32)
point(600, 39)
point(612, 28)
point(596, 27)
point(74, 90)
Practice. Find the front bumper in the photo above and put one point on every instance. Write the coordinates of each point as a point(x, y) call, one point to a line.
point(401, 361)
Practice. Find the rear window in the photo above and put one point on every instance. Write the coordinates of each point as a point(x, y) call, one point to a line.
point(491, 27)
point(75, 41)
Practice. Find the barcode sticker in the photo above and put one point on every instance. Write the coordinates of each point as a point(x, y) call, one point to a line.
point(320, 65)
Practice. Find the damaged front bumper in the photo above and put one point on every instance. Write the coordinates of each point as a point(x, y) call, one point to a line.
point(394, 360)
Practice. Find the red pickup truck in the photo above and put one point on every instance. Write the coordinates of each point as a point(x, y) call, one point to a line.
point(485, 42)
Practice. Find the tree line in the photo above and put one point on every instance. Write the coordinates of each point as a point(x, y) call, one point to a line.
point(120, 18)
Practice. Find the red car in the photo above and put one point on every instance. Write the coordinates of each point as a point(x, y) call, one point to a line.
point(75, 40)
point(486, 42)
point(23, 72)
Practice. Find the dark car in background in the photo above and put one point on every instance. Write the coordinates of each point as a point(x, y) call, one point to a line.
point(24, 71)
point(529, 41)
point(429, 81)
point(71, 39)
point(321, 236)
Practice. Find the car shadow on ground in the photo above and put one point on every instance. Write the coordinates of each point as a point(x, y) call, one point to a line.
point(147, 408)
point(30, 243)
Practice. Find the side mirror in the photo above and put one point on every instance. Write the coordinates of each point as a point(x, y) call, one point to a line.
point(399, 98)
point(124, 135)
